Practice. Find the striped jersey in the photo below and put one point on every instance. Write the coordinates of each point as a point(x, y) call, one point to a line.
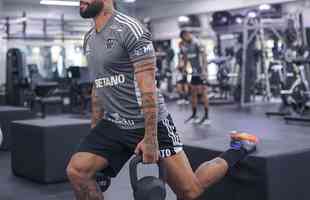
point(110, 54)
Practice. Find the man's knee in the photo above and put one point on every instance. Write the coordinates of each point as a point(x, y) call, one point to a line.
point(79, 171)
point(191, 193)
point(76, 173)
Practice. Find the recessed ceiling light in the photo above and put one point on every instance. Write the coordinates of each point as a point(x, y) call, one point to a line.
point(60, 3)
point(265, 7)
point(183, 19)
point(252, 14)
point(129, 1)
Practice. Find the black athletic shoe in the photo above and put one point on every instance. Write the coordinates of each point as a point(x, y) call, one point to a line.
point(191, 119)
point(204, 121)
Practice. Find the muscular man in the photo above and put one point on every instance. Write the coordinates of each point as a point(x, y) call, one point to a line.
point(129, 115)
point(194, 54)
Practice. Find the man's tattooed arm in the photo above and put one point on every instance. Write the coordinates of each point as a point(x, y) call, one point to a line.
point(96, 108)
point(145, 76)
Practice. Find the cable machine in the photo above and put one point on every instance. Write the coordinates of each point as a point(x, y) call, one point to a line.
point(256, 28)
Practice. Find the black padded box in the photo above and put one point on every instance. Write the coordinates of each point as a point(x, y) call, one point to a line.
point(7, 115)
point(41, 148)
point(278, 171)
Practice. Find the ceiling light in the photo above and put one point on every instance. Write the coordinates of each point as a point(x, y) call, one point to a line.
point(252, 14)
point(183, 19)
point(265, 7)
point(60, 3)
point(239, 20)
point(129, 1)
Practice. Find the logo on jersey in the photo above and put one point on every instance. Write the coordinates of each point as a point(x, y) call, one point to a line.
point(111, 43)
point(145, 50)
point(110, 81)
point(117, 119)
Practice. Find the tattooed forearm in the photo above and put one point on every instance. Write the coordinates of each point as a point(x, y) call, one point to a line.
point(89, 192)
point(96, 109)
point(149, 107)
point(145, 66)
point(149, 100)
point(145, 76)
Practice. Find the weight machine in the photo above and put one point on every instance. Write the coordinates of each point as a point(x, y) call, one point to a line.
point(256, 28)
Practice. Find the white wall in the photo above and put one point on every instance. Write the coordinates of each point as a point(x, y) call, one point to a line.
point(165, 28)
point(44, 11)
point(41, 11)
point(2, 54)
point(198, 6)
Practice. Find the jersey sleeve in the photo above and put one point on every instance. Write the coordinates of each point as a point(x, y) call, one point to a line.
point(85, 40)
point(138, 43)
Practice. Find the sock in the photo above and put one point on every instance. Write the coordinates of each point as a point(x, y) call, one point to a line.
point(183, 96)
point(186, 96)
point(194, 112)
point(180, 96)
point(207, 113)
point(233, 156)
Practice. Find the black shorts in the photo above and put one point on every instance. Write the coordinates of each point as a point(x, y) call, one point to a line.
point(196, 80)
point(118, 145)
point(183, 80)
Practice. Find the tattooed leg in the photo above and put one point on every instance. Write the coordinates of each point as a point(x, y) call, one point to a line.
point(97, 111)
point(211, 172)
point(88, 191)
point(81, 171)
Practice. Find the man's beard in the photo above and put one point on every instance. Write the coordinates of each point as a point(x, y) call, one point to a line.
point(92, 9)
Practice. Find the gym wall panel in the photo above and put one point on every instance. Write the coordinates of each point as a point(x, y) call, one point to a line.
point(165, 28)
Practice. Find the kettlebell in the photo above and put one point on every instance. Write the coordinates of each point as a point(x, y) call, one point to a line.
point(149, 187)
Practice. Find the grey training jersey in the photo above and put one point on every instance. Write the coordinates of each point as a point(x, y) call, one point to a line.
point(194, 52)
point(110, 54)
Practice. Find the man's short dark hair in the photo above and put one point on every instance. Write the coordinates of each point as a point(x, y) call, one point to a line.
point(182, 34)
point(115, 5)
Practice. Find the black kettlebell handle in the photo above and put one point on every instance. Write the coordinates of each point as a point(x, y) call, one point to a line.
point(134, 172)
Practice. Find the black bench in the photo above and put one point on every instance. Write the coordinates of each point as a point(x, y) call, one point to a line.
point(41, 148)
point(7, 115)
point(278, 171)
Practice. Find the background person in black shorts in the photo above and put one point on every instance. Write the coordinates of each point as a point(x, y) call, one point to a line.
point(182, 83)
point(129, 114)
point(194, 54)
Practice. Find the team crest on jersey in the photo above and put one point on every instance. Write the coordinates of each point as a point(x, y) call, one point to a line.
point(111, 43)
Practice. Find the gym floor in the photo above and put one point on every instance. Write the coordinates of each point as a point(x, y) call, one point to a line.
point(224, 119)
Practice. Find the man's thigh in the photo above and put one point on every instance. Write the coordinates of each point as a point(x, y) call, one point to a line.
point(194, 89)
point(203, 89)
point(180, 176)
point(103, 150)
